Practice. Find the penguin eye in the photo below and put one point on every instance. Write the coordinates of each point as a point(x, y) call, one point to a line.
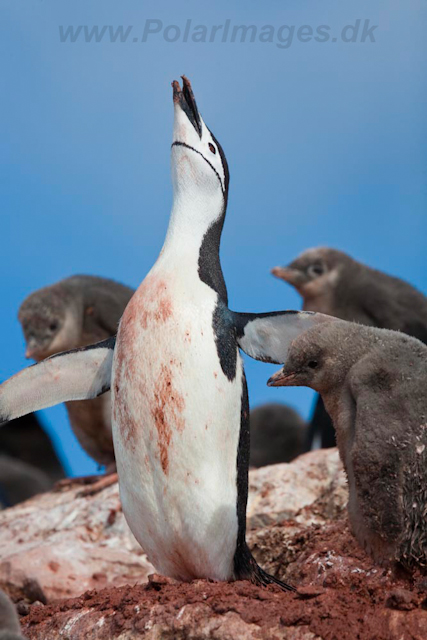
point(53, 326)
point(211, 147)
point(315, 270)
point(313, 364)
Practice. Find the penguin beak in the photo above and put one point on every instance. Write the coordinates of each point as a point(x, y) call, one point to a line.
point(33, 350)
point(185, 99)
point(292, 276)
point(282, 379)
point(31, 353)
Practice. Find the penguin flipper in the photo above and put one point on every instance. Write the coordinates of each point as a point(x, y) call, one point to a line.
point(80, 374)
point(267, 336)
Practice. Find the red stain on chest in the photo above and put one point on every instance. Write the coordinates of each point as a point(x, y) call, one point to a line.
point(150, 307)
point(125, 370)
point(121, 414)
point(155, 304)
point(167, 409)
point(125, 347)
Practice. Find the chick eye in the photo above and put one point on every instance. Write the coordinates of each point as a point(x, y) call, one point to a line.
point(53, 326)
point(315, 270)
point(313, 364)
point(212, 148)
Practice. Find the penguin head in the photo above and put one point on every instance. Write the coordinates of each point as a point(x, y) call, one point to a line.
point(199, 166)
point(314, 273)
point(319, 357)
point(49, 323)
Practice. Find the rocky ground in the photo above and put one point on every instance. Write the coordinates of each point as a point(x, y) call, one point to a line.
point(76, 571)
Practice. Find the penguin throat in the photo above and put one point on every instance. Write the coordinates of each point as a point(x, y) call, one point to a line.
point(194, 238)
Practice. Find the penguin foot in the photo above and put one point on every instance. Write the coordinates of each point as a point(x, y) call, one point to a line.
point(262, 578)
point(247, 568)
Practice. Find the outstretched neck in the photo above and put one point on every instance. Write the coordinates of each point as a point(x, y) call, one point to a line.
point(194, 235)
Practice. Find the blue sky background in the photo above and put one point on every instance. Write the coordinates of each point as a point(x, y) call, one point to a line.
point(326, 144)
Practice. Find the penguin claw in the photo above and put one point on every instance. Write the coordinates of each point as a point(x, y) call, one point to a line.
point(247, 568)
point(263, 579)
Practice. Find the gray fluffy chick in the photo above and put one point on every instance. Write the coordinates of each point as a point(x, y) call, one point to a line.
point(20, 481)
point(373, 382)
point(331, 282)
point(278, 434)
point(25, 439)
point(10, 629)
point(73, 313)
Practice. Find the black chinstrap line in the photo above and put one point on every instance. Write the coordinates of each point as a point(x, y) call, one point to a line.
point(184, 144)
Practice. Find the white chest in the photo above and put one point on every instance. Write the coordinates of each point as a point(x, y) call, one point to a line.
point(176, 423)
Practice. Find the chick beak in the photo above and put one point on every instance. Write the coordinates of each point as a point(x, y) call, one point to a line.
point(293, 276)
point(281, 379)
point(32, 350)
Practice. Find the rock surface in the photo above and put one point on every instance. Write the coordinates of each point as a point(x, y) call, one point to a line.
point(61, 545)
point(68, 544)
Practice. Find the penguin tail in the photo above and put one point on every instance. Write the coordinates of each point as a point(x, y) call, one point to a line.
point(246, 568)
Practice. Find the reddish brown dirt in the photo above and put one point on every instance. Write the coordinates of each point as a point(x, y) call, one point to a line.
point(352, 599)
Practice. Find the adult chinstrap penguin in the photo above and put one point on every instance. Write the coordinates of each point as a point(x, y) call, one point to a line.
point(179, 397)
